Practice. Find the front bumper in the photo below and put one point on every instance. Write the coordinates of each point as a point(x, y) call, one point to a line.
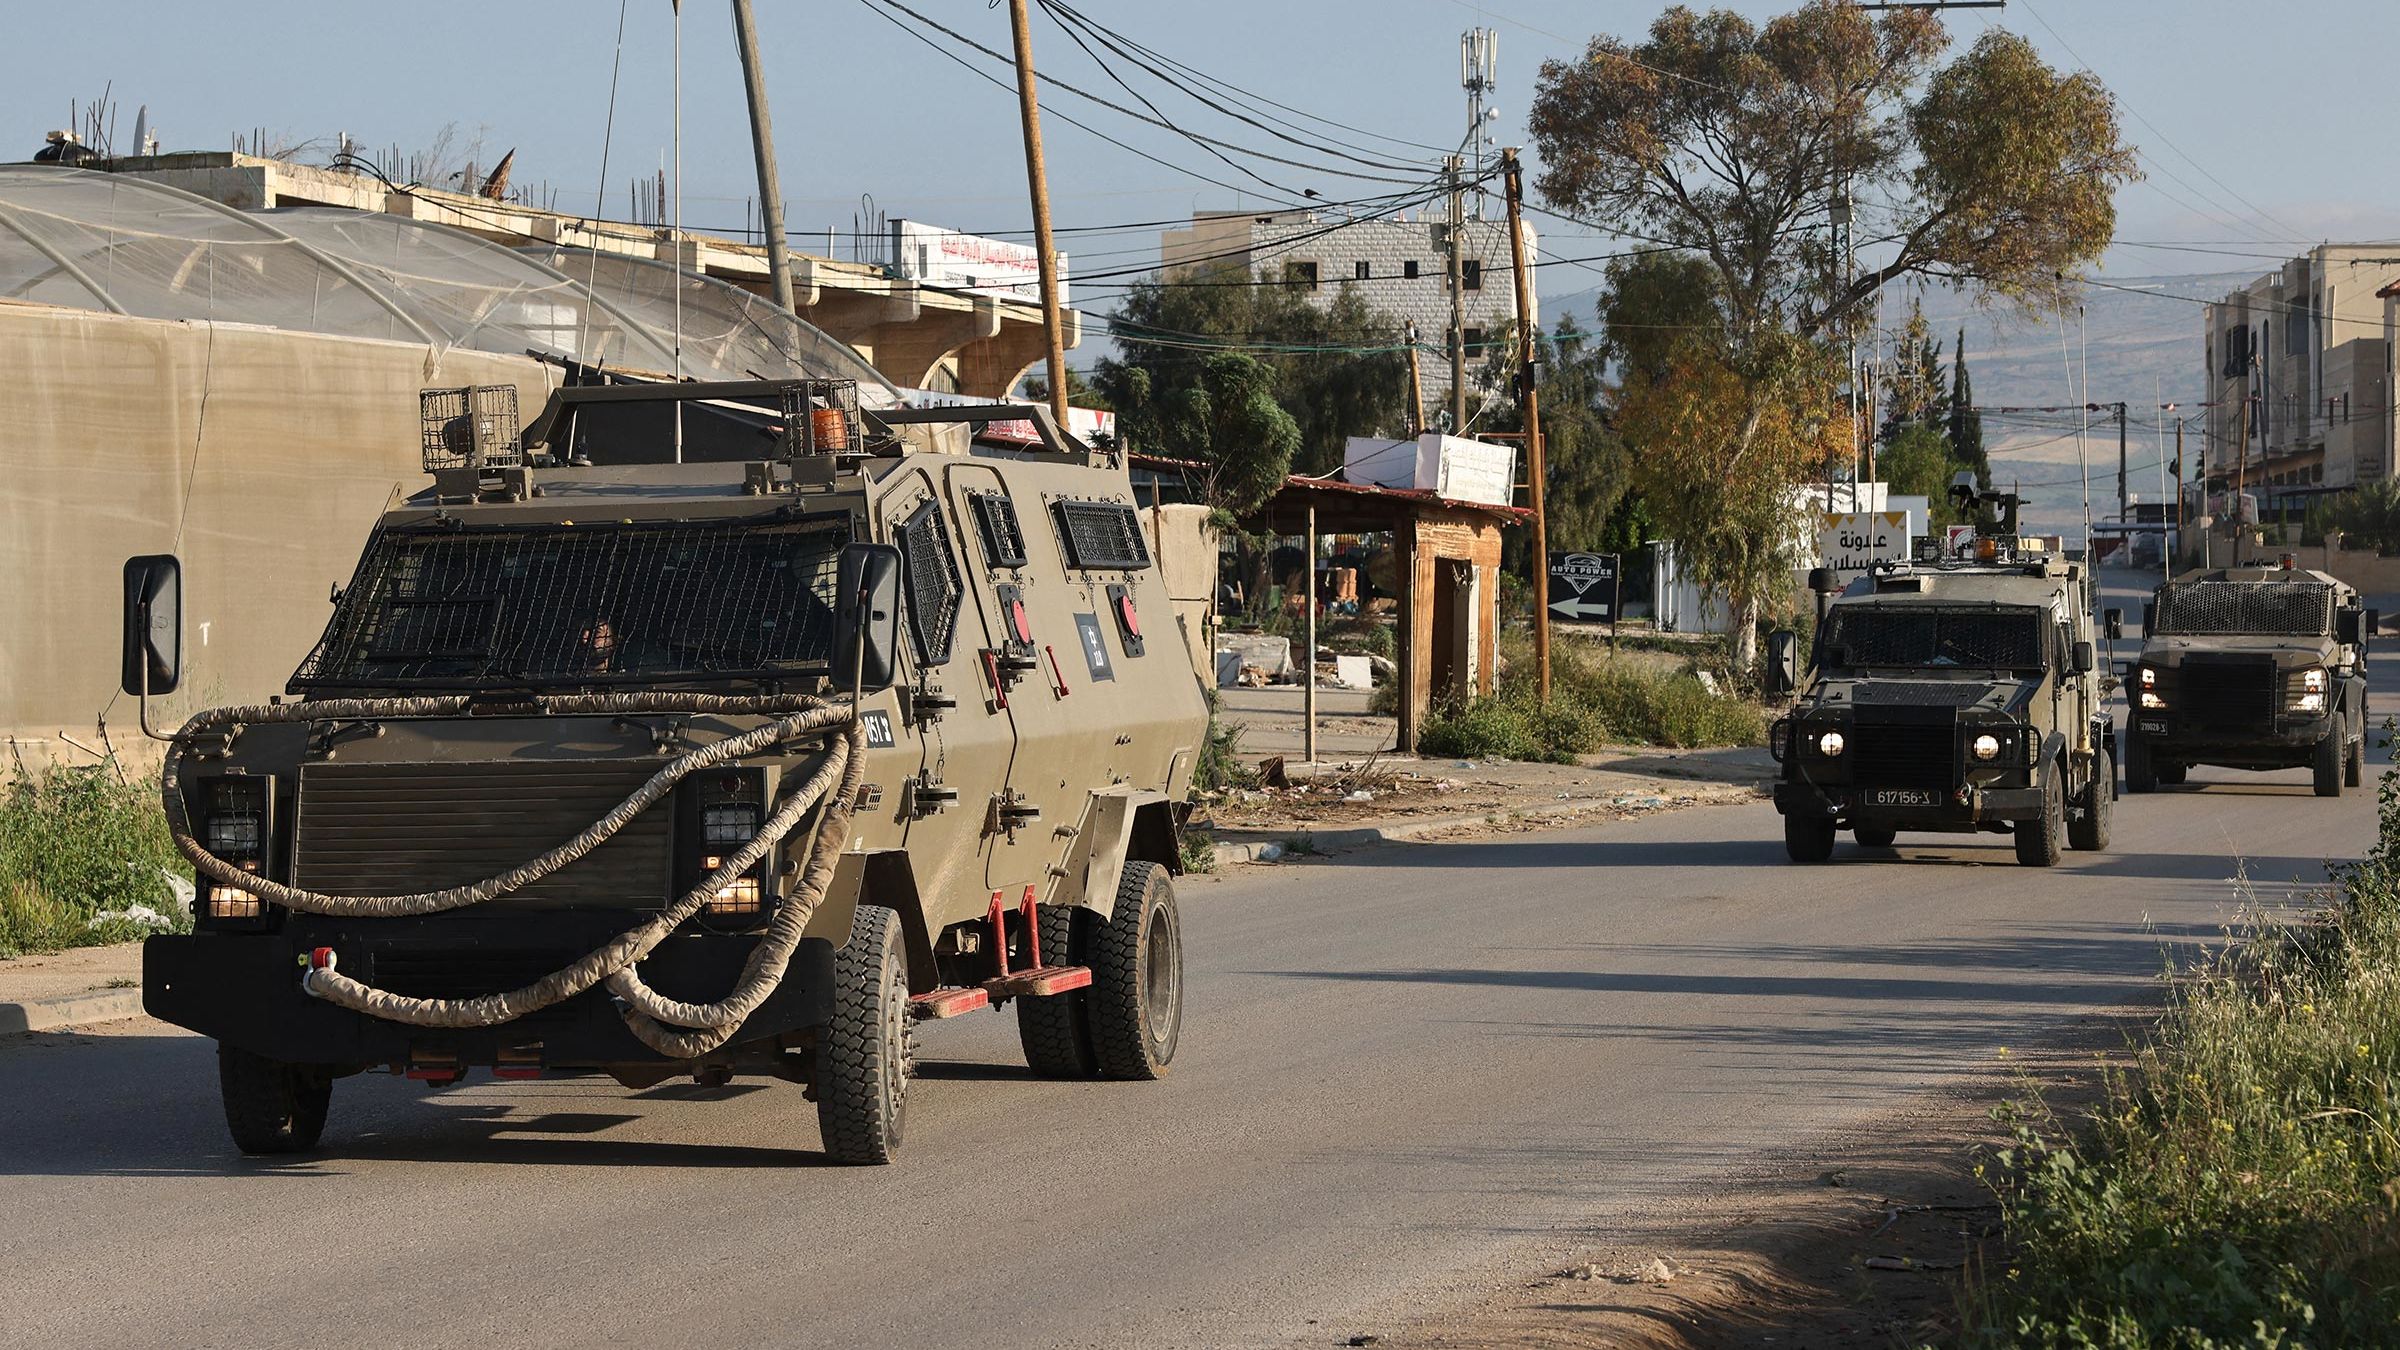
point(2283, 742)
point(1964, 808)
point(244, 988)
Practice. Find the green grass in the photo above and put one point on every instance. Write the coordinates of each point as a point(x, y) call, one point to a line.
point(77, 842)
point(2239, 1185)
point(1596, 700)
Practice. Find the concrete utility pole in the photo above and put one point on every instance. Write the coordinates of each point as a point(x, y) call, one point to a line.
point(2181, 482)
point(1458, 303)
point(1533, 418)
point(1038, 179)
point(762, 144)
point(2124, 497)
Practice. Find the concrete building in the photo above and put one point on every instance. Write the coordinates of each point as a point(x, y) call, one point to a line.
point(2299, 371)
point(1396, 266)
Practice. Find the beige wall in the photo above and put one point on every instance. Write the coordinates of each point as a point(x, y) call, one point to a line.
point(260, 457)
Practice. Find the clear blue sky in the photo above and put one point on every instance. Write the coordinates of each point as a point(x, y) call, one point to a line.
point(2285, 111)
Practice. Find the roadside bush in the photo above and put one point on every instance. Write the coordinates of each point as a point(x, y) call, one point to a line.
point(2240, 1184)
point(78, 843)
point(1595, 701)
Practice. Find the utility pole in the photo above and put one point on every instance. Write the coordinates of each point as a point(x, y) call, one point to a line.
point(1534, 474)
point(1038, 180)
point(2241, 474)
point(762, 144)
point(1458, 303)
point(2124, 498)
point(1416, 382)
point(2180, 483)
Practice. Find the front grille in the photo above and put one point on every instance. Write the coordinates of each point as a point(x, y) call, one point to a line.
point(1903, 756)
point(2285, 608)
point(396, 829)
point(2227, 695)
point(1920, 693)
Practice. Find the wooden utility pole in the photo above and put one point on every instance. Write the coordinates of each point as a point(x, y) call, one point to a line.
point(762, 144)
point(1458, 302)
point(1039, 181)
point(2124, 493)
point(1533, 417)
point(1416, 384)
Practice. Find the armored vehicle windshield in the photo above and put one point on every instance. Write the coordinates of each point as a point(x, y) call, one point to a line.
point(446, 606)
point(2244, 609)
point(1910, 635)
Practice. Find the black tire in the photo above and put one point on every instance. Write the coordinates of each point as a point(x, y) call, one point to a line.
point(2090, 834)
point(2327, 762)
point(1056, 1029)
point(2354, 768)
point(1874, 836)
point(2173, 775)
point(1135, 1004)
point(1808, 839)
point(864, 1054)
point(2042, 840)
point(272, 1107)
point(2140, 774)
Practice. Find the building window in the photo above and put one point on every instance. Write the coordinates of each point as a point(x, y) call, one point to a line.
point(1409, 269)
point(1361, 271)
point(1471, 274)
point(1474, 342)
point(1300, 274)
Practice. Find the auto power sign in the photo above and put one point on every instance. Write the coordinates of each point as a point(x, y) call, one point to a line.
point(1583, 587)
point(1850, 542)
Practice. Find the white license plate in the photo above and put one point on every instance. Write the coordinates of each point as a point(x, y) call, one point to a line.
point(2154, 728)
point(1903, 797)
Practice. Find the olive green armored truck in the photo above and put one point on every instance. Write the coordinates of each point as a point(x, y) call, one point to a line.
point(2250, 668)
point(610, 764)
point(1952, 695)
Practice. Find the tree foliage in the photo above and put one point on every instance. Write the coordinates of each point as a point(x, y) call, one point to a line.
point(1229, 422)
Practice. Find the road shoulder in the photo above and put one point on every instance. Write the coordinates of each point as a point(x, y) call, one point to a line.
point(70, 988)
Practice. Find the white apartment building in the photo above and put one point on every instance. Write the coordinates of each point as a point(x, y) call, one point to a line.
point(2299, 367)
point(1395, 265)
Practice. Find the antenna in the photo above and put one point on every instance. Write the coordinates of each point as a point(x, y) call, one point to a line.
point(1479, 74)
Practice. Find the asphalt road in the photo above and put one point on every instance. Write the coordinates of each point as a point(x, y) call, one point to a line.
point(1403, 1073)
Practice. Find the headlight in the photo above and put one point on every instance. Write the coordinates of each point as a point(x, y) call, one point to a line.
point(1986, 746)
point(2311, 703)
point(724, 827)
point(723, 811)
point(1829, 744)
point(2149, 678)
point(2313, 679)
point(235, 825)
point(2152, 701)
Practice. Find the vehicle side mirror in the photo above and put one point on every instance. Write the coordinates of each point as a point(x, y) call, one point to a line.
point(2149, 616)
point(1823, 581)
point(2112, 622)
point(2085, 658)
point(866, 633)
point(2350, 626)
point(1783, 663)
point(153, 624)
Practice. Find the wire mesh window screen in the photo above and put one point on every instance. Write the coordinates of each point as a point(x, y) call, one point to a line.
point(933, 585)
point(1891, 636)
point(996, 521)
point(2266, 608)
point(579, 605)
point(1104, 535)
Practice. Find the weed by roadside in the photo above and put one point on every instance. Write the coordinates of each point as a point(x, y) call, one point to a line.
point(84, 857)
point(2240, 1183)
point(1596, 700)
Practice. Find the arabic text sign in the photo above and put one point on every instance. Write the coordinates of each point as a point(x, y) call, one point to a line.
point(946, 258)
point(1853, 541)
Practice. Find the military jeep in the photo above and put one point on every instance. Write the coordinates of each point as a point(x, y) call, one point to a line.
point(1952, 694)
point(2250, 668)
point(742, 765)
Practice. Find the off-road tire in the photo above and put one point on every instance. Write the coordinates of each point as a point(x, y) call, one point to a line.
point(1056, 1029)
point(272, 1107)
point(2090, 834)
point(1874, 836)
point(2354, 767)
point(2042, 840)
point(2173, 775)
point(2327, 762)
point(1808, 839)
point(1135, 1003)
point(864, 1054)
point(2140, 774)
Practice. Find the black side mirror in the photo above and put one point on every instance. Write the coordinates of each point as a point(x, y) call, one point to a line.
point(866, 633)
point(153, 625)
point(1823, 581)
point(1782, 674)
point(2149, 616)
point(2085, 658)
point(2112, 622)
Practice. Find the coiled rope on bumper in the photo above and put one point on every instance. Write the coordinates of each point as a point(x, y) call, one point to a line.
point(704, 1027)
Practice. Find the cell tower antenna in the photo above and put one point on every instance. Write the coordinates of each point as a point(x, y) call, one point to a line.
point(1479, 73)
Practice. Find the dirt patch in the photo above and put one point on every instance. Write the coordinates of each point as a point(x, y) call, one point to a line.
point(1482, 795)
point(1860, 1243)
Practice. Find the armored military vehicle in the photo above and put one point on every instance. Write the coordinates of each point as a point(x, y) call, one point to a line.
point(649, 769)
point(1953, 694)
point(2250, 668)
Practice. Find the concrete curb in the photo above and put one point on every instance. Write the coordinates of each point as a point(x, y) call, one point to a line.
point(49, 1014)
point(1368, 836)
